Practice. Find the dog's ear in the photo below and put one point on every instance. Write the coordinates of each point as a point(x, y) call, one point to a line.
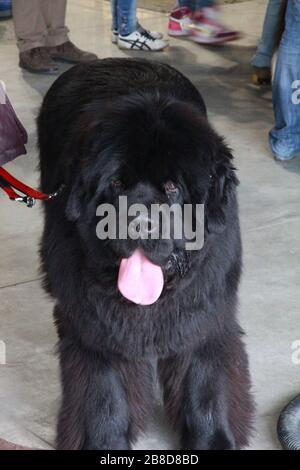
point(222, 185)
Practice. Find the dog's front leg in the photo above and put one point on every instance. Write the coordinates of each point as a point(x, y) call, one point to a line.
point(207, 396)
point(205, 416)
point(94, 412)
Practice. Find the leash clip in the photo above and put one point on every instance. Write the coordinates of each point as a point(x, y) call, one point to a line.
point(9, 184)
point(29, 201)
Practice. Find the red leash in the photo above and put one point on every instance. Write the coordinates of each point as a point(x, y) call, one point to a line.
point(28, 195)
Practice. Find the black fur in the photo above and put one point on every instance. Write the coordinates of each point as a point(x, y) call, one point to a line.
point(142, 123)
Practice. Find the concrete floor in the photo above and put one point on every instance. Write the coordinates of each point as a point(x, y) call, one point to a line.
point(270, 217)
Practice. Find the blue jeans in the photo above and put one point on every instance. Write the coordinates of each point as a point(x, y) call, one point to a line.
point(264, 54)
point(124, 16)
point(284, 138)
point(195, 5)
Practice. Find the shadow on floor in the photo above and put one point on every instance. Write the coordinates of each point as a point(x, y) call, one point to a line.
point(292, 166)
point(42, 82)
point(226, 91)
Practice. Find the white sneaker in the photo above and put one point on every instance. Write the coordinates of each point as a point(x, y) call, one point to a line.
point(140, 28)
point(141, 41)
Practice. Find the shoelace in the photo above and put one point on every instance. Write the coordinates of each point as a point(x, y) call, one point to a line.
point(142, 30)
point(147, 34)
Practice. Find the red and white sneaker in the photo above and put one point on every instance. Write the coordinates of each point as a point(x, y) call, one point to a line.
point(207, 29)
point(179, 20)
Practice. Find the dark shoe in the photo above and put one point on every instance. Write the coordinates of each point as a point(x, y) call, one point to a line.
point(37, 60)
point(68, 52)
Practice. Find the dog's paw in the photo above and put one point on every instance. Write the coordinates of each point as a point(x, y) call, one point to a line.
point(114, 444)
point(220, 440)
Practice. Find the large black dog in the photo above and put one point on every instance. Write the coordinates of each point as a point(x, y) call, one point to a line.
point(137, 128)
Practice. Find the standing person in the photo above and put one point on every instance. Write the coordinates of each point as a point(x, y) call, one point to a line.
point(200, 21)
point(127, 33)
point(272, 30)
point(42, 36)
point(284, 138)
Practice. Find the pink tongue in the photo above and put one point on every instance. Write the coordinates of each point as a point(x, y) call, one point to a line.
point(140, 280)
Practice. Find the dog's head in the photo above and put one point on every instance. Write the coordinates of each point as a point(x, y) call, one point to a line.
point(146, 150)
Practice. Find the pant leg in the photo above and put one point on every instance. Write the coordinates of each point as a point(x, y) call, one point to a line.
point(114, 13)
point(285, 136)
point(55, 15)
point(126, 16)
point(187, 3)
point(204, 4)
point(29, 23)
point(264, 54)
point(196, 4)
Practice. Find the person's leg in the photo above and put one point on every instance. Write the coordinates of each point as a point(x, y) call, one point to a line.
point(58, 44)
point(126, 11)
point(199, 4)
point(29, 23)
point(31, 33)
point(285, 136)
point(267, 44)
point(55, 15)
point(114, 13)
point(196, 4)
point(187, 3)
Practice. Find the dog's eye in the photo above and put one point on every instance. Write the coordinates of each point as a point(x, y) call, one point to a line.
point(170, 188)
point(118, 184)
